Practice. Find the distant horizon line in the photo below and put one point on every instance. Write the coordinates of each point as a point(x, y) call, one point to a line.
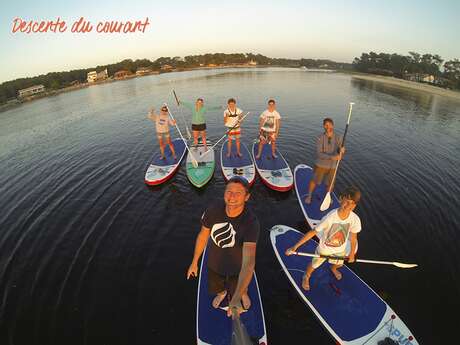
point(181, 57)
point(173, 56)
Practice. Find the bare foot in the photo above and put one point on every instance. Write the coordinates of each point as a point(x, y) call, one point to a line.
point(274, 155)
point(218, 299)
point(306, 282)
point(162, 157)
point(245, 301)
point(336, 274)
point(258, 157)
point(228, 155)
point(239, 154)
point(175, 157)
point(308, 199)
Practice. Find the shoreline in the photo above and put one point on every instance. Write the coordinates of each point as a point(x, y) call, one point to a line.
point(434, 90)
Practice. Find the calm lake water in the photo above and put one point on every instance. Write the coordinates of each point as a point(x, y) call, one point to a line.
point(90, 255)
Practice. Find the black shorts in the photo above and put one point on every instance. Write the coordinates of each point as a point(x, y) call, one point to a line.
point(218, 283)
point(200, 127)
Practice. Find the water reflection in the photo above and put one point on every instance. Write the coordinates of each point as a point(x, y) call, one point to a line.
point(423, 103)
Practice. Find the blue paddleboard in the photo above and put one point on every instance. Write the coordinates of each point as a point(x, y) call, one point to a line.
point(302, 176)
point(348, 308)
point(274, 172)
point(235, 165)
point(213, 326)
point(161, 170)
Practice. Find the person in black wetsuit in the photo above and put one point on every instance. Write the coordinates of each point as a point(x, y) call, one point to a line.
point(233, 230)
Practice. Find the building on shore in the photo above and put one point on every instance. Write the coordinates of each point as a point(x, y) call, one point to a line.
point(420, 77)
point(166, 67)
point(94, 76)
point(122, 74)
point(143, 70)
point(31, 91)
point(252, 63)
point(102, 75)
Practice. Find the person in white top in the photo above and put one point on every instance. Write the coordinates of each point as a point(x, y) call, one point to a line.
point(232, 116)
point(162, 122)
point(269, 124)
point(335, 229)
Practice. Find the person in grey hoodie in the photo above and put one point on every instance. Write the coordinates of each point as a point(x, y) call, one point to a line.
point(329, 150)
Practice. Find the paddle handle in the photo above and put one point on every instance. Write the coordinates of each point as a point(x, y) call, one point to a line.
point(392, 263)
point(175, 96)
point(218, 141)
point(348, 123)
point(182, 137)
point(343, 144)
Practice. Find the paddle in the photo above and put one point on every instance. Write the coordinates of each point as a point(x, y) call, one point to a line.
point(397, 264)
point(183, 118)
point(327, 199)
point(192, 158)
point(226, 133)
point(239, 333)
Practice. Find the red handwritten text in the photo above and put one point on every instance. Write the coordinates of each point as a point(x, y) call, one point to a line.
point(38, 26)
point(81, 25)
point(125, 27)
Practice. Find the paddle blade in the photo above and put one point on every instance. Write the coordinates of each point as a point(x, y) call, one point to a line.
point(326, 202)
point(192, 159)
point(401, 265)
point(194, 162)
point(239, 333)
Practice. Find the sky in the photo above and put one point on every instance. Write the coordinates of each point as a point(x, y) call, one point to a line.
point(336, 29)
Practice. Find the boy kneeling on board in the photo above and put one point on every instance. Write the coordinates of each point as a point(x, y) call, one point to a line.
point(333, 232)
point(162, 122)
point(234, 231)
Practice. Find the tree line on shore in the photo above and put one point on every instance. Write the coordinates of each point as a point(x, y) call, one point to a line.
point(408, 66)
point(400, 66)
point(58, 80)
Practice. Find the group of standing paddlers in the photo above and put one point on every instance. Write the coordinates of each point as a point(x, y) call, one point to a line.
point(230, 230)
point(269, 124)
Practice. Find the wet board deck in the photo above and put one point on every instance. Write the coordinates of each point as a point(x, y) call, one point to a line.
point(202, 174)
point(274, 172)
point(213, 326)
point(302, 176)
point(235, 165)
point(349, 309)
point(161, 170)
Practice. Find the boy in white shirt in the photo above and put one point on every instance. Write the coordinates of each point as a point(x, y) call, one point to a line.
point(232, 115)
point(269, 124)
point(333, 231)
point(162, 122)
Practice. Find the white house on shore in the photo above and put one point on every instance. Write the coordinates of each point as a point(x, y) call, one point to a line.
point(95, 76)
point(92, 76)
point(143, 70)
point(31, 90)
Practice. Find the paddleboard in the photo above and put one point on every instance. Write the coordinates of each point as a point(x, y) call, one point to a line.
point(348, 308)
point(302, 176)
point(235, 165)
point(213, 326)
point(274, 172)
point(161, 170)
point(200, 175)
